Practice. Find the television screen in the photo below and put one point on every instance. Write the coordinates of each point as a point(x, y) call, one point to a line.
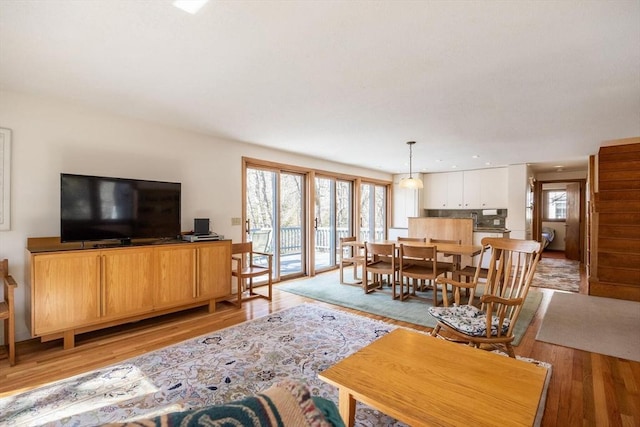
point(102, 208)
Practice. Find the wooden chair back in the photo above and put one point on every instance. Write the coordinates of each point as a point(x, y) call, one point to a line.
point(350, 255)
point(250, 264)
point(412, 239)
point(380, 255)
point(420, 263)
point(441, 256)
point(261, 240)
point(7, 311)
point(348, 252)
point(380, 259)
point(511, 268)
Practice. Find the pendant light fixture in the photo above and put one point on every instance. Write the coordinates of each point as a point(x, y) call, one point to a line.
point(411, 182)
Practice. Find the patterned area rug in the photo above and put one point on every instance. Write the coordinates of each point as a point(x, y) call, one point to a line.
point(326, 287)
point(224, 365)
point(560, 274)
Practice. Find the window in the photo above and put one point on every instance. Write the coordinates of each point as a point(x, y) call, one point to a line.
point(555, 205)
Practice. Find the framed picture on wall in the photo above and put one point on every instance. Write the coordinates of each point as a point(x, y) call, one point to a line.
point(5, 179)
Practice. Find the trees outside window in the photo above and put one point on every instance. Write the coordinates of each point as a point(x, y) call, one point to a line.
point(555, 205)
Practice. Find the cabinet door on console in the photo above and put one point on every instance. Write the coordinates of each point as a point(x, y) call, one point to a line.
point(214, 268)
point(127, 281)
point(176, 276)
point(66, 291)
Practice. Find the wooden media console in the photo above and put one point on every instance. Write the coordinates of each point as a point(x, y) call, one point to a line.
point(74, 289)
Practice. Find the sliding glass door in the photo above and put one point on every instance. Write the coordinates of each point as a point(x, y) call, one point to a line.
point(299, 215)
point(274, 218)
point(333, 219)
point(373, 212)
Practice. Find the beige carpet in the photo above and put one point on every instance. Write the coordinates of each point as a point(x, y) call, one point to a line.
point(599, 325)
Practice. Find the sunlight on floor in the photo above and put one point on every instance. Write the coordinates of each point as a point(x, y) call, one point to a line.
point(89, 392)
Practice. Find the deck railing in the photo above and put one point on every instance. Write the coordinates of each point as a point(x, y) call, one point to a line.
point(291, 238)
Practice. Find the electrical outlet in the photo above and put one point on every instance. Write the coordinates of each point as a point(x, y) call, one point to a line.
point(496, 222)
point(236, 221)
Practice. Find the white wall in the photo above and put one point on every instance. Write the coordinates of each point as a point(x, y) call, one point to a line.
point(53, 136)
point(517, 218)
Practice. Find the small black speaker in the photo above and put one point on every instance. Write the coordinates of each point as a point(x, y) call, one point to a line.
point(201, 226)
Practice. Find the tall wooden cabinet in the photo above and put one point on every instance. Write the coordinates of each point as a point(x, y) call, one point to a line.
point(73, 290)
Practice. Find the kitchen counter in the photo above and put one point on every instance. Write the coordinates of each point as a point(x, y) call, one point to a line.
point(491, 230)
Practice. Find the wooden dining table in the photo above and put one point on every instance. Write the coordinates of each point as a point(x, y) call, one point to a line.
point(457, 251)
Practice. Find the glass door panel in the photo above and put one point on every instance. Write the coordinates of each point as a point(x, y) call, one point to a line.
point(291, 236)
point(261, 214)
point(274, 218)
point(344, 210)
point(325, 223)
point(373, 212)
point(333, 219)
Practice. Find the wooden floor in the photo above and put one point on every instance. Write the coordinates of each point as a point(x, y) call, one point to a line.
point(586, 389)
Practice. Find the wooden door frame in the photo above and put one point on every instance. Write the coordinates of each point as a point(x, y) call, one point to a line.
point(538, 209)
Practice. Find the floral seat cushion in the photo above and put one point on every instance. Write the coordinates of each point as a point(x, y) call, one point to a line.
point(468, 319)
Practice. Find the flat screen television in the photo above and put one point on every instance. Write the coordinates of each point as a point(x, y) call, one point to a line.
point(101, 208)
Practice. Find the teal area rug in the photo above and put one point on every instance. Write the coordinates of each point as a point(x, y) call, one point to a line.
point(326, 287)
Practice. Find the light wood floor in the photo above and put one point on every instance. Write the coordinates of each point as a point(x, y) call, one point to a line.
point(586, 389)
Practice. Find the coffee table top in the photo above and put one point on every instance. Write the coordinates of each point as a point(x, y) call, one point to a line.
point(419, 379)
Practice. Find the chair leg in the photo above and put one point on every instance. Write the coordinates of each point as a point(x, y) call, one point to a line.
point(434, 332)
point(510, 351)
point(12, 342)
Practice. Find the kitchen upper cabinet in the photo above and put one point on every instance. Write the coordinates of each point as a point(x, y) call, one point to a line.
point(485, 188)
point(443, 190)
point(477, 189)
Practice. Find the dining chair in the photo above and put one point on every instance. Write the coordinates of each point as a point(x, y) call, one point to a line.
point(442, 257)
point(449, 260)
point(350, 255)
point(511, 268)
point(250, 264)
point(420, 263)
point(380, 260)
point(7, 311)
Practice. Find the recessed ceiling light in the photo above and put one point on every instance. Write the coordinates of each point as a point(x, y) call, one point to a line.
point(475, 156)
point(190, 6)
point(558, 166)
point(487, 163)
point(438, 160)
point(453, 166)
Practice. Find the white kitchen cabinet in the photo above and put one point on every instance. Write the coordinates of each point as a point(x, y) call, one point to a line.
point(476, 189)
point(472, 183)
point(443, 190)
point(494, 188)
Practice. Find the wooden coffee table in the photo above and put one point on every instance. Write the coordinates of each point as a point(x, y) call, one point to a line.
point(421, 380)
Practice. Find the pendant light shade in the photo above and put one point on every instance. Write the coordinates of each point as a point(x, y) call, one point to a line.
point(411, 182)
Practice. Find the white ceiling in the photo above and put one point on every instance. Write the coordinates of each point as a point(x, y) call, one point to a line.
point(540, 82)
